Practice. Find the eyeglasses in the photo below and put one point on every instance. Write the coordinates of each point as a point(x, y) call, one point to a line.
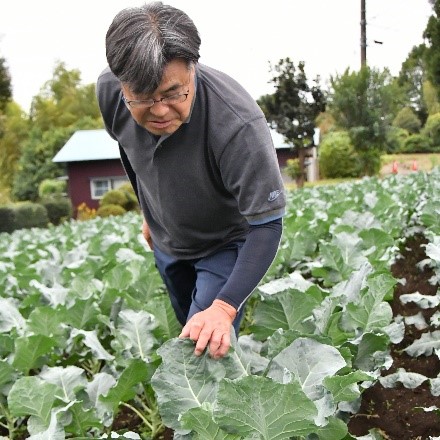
point(147, 103)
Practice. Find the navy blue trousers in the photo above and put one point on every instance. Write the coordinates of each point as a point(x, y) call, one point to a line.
point(194, 284)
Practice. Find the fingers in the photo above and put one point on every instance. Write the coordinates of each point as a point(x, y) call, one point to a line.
point(217, 340)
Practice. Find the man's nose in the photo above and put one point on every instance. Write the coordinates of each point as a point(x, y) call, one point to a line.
point(159, 108)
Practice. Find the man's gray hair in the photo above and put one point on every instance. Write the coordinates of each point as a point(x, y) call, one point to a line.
point(142, 40)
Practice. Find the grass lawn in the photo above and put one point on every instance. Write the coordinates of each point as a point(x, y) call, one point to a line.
point(406, 163)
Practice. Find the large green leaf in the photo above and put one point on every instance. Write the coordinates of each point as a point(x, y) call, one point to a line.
point(200, 421)
point(69, 379)
point(31, 396)
point(124, 390)
point(308, 362)
point(260, 405)
point(134, 333)
point(287, 310)
point(30, 349)
point(184, 381)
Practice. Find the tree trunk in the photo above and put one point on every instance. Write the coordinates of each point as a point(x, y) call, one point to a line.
point(301, 178)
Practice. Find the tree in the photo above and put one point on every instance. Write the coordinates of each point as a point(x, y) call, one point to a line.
point(430, 98)
point(412, 75)
point(364, 103)
point(408, 120)
point(5, 85)
point(15, 131)
point(63, 101)
point(294, 106)
point(432, 52)
point(62, 107)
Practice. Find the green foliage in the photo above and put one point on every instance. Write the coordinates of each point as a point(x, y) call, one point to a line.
point(110, 210)
point(36, 165)
point(369, 162)
point(131, 203)
point(430, 98)
point(432, 51)
point(124, 196)
point(30, 215)
point(58, 208)
point(7, 218)
point(416, 143)
point(113, 197)
point(293, 169)
point(62, 107)
point(411, 78)
point(337, 157)
point(395, 139)
point(14, 129)
point(408, 120)
point(52, 187)
point(432, 131)
point(5, 84)
point(364, 103)
point(63, 101)
point(294, 106)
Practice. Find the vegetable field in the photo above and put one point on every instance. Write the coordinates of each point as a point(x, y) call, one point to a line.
point(88, 338)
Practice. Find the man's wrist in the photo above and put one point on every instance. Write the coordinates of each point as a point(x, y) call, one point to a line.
point(230, 310)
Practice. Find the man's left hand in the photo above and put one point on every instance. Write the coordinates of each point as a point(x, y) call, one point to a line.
point(211, 328)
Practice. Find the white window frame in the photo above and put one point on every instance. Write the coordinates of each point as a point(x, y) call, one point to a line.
point(113, 182)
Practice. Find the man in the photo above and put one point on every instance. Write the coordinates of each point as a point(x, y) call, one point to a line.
point(198, 152)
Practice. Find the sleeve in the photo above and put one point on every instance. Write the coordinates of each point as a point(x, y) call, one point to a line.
point(251, 172)
point(253, 261)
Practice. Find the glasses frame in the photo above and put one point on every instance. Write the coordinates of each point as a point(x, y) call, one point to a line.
point(148, 103)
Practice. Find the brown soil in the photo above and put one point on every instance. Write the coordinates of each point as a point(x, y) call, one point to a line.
point(394, 411)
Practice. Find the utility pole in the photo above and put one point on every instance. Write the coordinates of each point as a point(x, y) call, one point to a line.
point(363, 35)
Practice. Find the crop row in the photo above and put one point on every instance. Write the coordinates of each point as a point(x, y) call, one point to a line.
point(87, 332)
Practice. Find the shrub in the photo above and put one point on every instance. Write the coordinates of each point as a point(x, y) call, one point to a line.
point(132, 203)
point(408, 120)
point(432, 131)
point(292, 168)
point(108, 210)
point(123, 196)
point(30, 215)
point(58, 209)
point(51, 187)
point(394, 139)
point(337, 157)
point(416, 143)
point(369, 162)
point(7, 218)
point(113, 197)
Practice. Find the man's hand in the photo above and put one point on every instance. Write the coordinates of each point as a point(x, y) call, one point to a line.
point(146, 234)
point(211, 328)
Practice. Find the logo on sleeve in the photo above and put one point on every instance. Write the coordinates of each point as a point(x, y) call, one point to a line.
point(273, 195)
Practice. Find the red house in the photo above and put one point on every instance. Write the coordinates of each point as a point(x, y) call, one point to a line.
point(94, 166)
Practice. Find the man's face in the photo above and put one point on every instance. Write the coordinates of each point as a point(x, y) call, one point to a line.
point(165, 118)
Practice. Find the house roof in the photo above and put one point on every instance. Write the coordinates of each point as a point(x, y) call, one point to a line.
point(88, 145)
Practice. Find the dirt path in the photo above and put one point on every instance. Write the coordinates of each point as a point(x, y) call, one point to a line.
point(393, 410)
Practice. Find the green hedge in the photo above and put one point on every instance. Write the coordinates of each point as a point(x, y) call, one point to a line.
point(30, 215)
point(7, 218)
point(110, 209)
point(58, 209)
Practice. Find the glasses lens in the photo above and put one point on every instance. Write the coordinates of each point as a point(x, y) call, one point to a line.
point(175, 99)
point(142, 104)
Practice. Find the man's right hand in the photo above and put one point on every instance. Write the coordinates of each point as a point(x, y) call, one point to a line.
point(146, 234)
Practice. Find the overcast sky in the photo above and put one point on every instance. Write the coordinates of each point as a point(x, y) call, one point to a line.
point(239, 37)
